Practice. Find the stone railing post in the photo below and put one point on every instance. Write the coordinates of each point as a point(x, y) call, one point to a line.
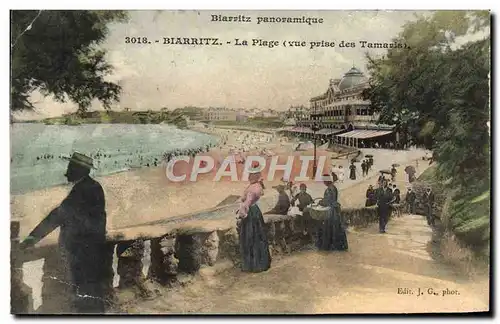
point(130, 266)
point(164, 264)
point(188, 251)
point(21, 301)
point(210, 249)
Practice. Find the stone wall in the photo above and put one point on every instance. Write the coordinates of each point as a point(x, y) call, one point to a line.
point(180, 252)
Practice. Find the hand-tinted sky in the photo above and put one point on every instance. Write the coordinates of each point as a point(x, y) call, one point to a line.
point(155, 76)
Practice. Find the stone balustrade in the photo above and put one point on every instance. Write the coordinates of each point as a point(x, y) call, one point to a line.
point(176, 249)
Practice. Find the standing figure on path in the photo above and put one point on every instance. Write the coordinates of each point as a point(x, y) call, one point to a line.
point(254, 247)
point(303, 197)
point(341, 174)
point(397, 194)
point(352, 174)
point(428, 201)
point(283, 204)
point(410, 199)
point(364, 168)
point(370, 163)
point(331, 234)
point(370, 197)
point(381, 179)
point(82, 239)
point(384, 201)
point(393, 173)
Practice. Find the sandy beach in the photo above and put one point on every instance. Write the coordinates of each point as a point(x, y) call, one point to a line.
point(144, 195)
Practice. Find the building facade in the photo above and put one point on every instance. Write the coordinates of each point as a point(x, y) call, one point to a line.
point(220, 114)
point(342, 115)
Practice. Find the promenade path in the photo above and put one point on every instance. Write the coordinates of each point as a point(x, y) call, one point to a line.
point(381, 273)
point(391, 273)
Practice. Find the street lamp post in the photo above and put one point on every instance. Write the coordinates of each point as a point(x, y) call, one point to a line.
point(315, 128)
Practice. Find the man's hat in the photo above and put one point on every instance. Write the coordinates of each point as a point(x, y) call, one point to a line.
point(279, 187)
point(82, 160)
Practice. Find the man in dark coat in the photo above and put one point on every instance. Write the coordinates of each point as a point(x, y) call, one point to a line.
point(82, 239)
point(370, 163)
point(428, 201)
point(384, 201)
point(283, 204)
point(410, 200)
point(364, 168)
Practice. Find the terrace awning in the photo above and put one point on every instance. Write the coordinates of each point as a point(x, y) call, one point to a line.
point(365, 133)
point(329, 131)
point(302, 130)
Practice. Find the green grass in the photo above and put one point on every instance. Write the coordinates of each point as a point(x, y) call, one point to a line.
point(469, 210)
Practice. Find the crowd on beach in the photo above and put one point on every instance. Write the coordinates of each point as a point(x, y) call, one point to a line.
point(230, 141)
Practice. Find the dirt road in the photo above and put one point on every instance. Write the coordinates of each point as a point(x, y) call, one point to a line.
point(391, 273)
point(381, 273)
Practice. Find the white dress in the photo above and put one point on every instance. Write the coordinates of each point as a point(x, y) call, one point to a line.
point(341, 175)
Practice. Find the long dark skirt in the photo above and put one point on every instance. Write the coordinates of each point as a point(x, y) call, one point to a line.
point(331, 234)
point(254, 246)
point(352, 175)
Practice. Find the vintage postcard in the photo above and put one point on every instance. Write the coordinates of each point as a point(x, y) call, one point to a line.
point(250, 162)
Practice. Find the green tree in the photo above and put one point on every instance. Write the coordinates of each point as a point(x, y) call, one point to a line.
point(438, 94)
point(56, 52)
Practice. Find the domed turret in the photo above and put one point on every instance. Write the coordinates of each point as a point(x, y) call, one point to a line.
point(352, 78)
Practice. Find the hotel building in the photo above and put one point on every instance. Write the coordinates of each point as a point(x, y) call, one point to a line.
point(341, 114)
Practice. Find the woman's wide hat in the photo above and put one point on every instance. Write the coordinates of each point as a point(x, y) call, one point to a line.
point(82, 160)
point(254, 167)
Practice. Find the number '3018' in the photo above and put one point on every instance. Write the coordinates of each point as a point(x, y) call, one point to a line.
point(136, 40)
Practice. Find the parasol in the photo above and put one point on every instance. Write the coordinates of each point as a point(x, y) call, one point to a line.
point(385, 171)
point(368, 155)
point(410, 169)
point(395, 165)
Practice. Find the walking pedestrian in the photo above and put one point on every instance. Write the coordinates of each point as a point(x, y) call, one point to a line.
point(384, 200)
point(428, 200)
point(364, 168)
point(410, 199)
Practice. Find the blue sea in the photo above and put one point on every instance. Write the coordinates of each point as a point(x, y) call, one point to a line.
point(37, 149)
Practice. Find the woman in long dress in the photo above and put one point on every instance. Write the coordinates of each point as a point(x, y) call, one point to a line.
point(331, 235)
point(352, 174)
point(341, 174)
point(254, 247)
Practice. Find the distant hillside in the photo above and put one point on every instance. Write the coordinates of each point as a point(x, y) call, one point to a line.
point(120, 117)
